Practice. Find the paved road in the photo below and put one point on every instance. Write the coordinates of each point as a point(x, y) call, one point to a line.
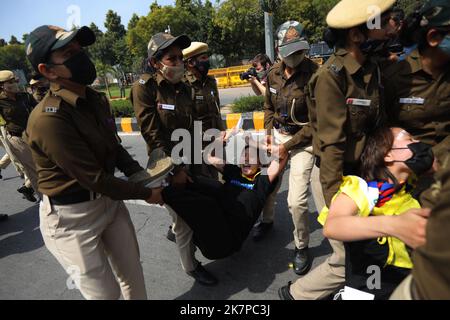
point(227, 96)
point(28, 271)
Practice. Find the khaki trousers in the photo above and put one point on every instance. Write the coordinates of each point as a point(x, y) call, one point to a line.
point(317, 190)
point(8, 157)
point(302, 161)
point(22, 152)
point(5, 161)
point(184, 239)
point(95, 242)
point(323, 280)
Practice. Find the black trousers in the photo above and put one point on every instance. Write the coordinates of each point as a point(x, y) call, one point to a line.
point(200, 207)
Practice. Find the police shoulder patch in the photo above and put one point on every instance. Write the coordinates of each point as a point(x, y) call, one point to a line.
point(144, 78)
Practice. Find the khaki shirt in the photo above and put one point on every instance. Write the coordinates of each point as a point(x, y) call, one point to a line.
point(431, 272)
point(75, 147)
point(285, 103)
point(419, 103)
point(16, 113)
point(344, 105)
point(160, 108)
point(207, 102)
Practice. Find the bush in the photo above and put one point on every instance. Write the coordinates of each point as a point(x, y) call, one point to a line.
point(122, 108)
point(248, 104)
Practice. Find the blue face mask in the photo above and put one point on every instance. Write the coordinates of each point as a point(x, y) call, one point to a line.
point(445, 45)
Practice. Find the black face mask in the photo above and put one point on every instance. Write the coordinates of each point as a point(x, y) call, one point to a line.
point(203, 67)
point(82, 69)
point(371, 47)
point(422, 159)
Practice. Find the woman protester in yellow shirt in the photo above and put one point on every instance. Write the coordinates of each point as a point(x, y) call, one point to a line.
point(376, 216)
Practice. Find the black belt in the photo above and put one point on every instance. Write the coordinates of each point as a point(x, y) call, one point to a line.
point(73, 198)
point(287, 129)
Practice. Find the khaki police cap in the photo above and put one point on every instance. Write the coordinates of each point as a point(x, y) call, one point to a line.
point(350, 13)
point(6, 75)
point(195, 49)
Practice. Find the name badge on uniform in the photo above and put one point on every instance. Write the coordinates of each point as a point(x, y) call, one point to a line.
point(198, 97)
point(166, 106)
point(359, 102)
point(51, 109)
point(412, 100)
point(272, 90)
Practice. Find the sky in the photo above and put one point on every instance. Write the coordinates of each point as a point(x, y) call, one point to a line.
point(23, 16)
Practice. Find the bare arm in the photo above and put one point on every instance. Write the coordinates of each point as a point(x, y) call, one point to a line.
point(343, 224)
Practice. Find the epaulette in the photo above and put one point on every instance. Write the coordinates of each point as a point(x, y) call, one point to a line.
point(145, 78)
point(51, 104)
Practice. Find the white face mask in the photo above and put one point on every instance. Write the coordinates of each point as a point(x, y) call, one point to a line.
point(294, 59)
point(173, 74)
point(11, 87)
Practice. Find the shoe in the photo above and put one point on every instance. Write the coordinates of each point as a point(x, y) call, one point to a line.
point(3, 217)
point(28, 193)
point(171, 235)
point(284, 292)
point(158, 168)
point(202, 276)
point(261, 229)
point(302, 261)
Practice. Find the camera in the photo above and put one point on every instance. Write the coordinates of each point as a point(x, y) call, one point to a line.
point(249, 73)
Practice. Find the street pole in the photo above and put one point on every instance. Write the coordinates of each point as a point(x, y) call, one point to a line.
point(268, 27)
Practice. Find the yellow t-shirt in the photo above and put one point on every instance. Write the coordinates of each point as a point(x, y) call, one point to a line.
point(366, 199)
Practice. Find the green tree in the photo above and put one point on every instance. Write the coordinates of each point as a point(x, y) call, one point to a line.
point(133, 21)
point(13, 57)
point(25, 37)
point(3, 43)
point(14, 40)
point(98, 33)
point(113, 24)
point(102, 71)
point(241, 29)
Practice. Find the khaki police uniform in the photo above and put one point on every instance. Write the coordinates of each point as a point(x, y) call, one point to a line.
point(206, 110)
point(161, 108)
point(83, 221)
point(285, 112)
point(344, 104)
point(8, 157)
point(16, 113)
point(420, 104)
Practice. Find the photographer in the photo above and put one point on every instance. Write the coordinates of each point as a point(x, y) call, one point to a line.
point(261, 65)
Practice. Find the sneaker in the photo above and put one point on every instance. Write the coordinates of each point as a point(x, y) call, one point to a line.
point(261, 229)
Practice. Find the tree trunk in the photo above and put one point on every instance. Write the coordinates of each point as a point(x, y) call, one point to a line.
point(107, 86)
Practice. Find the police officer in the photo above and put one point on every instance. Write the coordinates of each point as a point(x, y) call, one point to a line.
point(286, 114)
point(344, 105)
point(205, 95)
point(75, 146)
point(39, 86)
point(163, 103)
point(418, 88)
point(15, 108)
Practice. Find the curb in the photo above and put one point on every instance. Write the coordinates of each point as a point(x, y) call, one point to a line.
point(252, 121)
